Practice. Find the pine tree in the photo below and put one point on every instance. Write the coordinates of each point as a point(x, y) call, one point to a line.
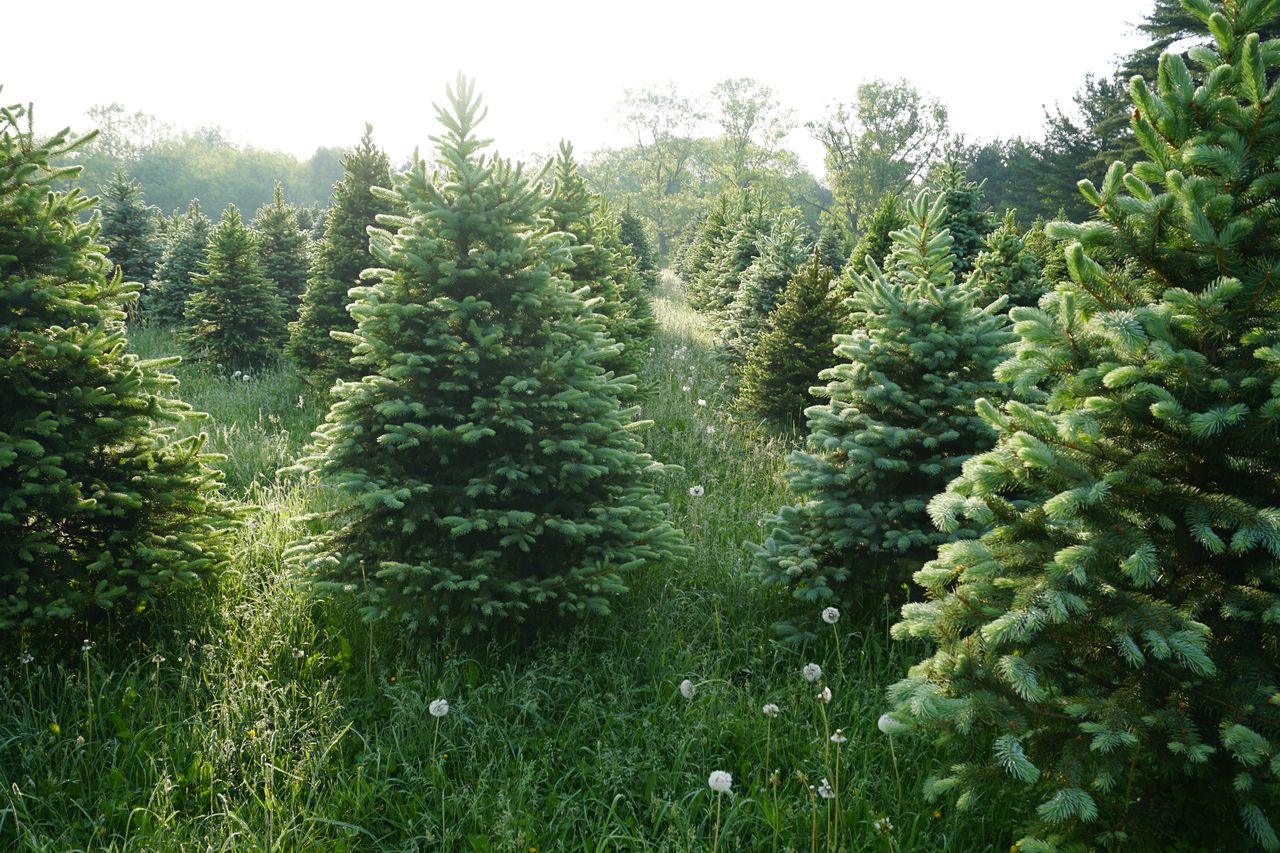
point(1006, 268)
point(782, 252)
point(129, 228)
point(633, 233)
point(486, 468)
point(602, 263)
point(236, 317)
point(187, 246)
point(795, 348)
point(1108, 654)
point(698, 261)
point(283, 249)
point(101, 510)
point(743, 237)
point(899, 424)
point(874, 245)
point(968, 219)
point(339, 259)
point(1049, 252)
point(835, 243)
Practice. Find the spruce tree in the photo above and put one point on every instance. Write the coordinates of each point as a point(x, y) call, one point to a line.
point(968, 218)
point(1048, 251)
point(602, 263)
point(101, 510)
point(283, 249)
point(795, 348)
point(782, 252)
point(130, 228)
point(485, 467)
point(742, 239)
point(697, 262)
point(165, 301)
point(633, 233)
point(236, 317)
point(339, 259)
point(899, 424)
point(1108, 654)
point(1006, 268)
point(875, 245)
point(834, 242)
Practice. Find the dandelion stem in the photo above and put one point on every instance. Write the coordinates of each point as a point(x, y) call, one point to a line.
point(715, 843)
point(896, 775)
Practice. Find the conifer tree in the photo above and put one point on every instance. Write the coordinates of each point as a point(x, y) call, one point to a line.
point(339, 259)
point(1109, 652)
point(795, 348)
point(632, 232)
point(130, 228)
point(485, 466)
point(834, 242)
point(899, 424)
point(236, 317)
point(1006, 268)
point(602, 263)
point(1048, 251)
point(968, 220)
point(101, 510)
point(875, 244)
point(698, 261)
point(165, 301)
point(283, 249)
point(742, 239)
point(782, 252)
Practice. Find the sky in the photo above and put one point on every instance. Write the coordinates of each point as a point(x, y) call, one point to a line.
point(298, 75)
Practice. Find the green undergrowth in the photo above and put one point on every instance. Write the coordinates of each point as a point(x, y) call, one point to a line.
point(253, 717)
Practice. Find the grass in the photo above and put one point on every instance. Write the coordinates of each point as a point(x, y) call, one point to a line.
point(253, 717)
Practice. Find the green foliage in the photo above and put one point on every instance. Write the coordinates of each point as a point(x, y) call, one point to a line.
point(782, 252)
point(602, 264)
point(283, 249)
point(899, 424)
point(968, 219)
point(339, 260)
point(485, 468)
point(129, 228)
point(1006, 268)
point(101, 511)
point(185, 250)
point(874, 245)
point(635, 236)
point(236, 317)
point(1121, 618)
point(795, 347)
point(1049, 251)
point(835, 244)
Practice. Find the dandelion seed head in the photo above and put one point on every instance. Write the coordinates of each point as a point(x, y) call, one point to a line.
point(812, 672)
point(889, 724)
point(720, 781)
point(86, 645)
point(684, 388)
point(157, 659)
point(687, 689)
point(25, 658)
point(771, 710)
point(831, 615)
point(439, 707)
point(697, 492)
point(839, 736)
point(824, 695)
point(825, 790)
point(701, 402)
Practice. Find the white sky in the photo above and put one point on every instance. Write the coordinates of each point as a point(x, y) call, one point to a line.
point(296, 75)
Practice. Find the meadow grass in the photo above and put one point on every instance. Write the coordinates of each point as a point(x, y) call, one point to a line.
point(251, 716)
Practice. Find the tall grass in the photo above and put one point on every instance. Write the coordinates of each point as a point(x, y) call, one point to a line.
point(253, 717)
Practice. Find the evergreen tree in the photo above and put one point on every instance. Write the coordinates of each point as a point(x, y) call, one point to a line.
point(795, 348)
point(236, 317)
point(782, 252)
point(968, 219)
point(1109, 652)
point(602, 263)
point(486, 468)
point(834, 242)
point(899, 424)
point(130, 228)
point(101, 510)
point(743, 237)
point(633, 234)
point(1006, 268)
point(1048, 251)
point(283, 249)
point(339, 259)
point(696, 265)
point(874, 245)
point(186, 248)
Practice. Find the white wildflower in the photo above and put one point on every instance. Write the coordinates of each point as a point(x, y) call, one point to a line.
point(25, 658)
point(439, 707)
point(720, 781)
point(882, 825)
point(157, 659)
point(812, 672)
point(684, 388)
point(711, 430)
point(245, 377)
point(687, 689)
point(825, 790)
point(235, 375)
point(890, 724)
point(825, 694)
point(839, 736)
point(771, 710)
point(348, 587)
point(86, 645)
point(697, 492)
point(831, 615)
point(701, 402)
point(299, 653)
